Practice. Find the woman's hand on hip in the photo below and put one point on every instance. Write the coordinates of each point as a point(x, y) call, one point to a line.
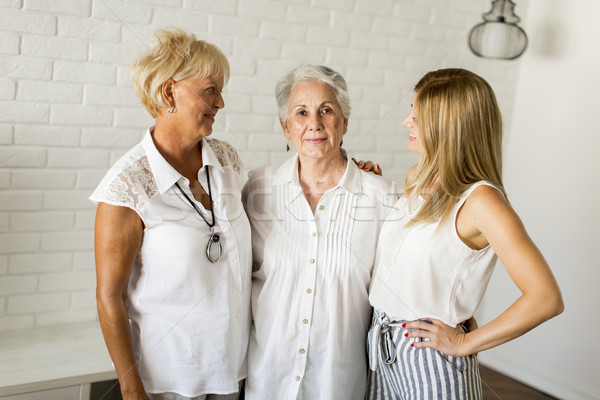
point(442, 337)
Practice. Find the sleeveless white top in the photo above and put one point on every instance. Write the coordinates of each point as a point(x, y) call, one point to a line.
point(189, 318)
point(423, 272)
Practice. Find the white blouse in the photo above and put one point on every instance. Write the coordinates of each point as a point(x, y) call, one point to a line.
point(189, 318)
point(424, 273)
point(310, 280)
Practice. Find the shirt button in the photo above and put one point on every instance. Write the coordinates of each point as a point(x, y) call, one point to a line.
point(297, 378)
point(312, 260)
point(302, 351)
point(314, 234)
point(321, 208)
point(305, 321)
point(309, 291)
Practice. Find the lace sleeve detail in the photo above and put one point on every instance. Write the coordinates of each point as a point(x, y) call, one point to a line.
point(133, 187)
point(226, 154)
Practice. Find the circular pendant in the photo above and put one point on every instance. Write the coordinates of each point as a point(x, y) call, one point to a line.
point(213, 248)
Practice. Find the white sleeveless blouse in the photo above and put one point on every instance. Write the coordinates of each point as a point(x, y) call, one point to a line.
point(423, 272)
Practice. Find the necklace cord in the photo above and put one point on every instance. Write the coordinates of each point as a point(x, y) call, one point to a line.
point(212, 213)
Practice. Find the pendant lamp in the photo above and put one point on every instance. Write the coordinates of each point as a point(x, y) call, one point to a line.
point(498, 36)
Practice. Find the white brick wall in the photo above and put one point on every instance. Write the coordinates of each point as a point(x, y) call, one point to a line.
point(67, 108)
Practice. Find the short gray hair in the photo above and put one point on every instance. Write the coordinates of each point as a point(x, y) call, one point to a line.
point(305, 73)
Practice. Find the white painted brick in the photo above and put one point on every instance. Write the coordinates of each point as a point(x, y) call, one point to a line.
point(33, 263)
point(16, 323)
point(88, 28)
point(84, 220)
point(405, 80)
point(406, 46)
point(9, 43)
point(77, 158)
point(37, 303)
point(327, 36)
point(265, 105)
point(116, 10)
point(276, 157)
point(111, 137)
point(133, 33)
point(116, 154)
point(49, 92)
point(84, 300)
point(368, 41)
point(18, 242)
point(382, 59)
point(66, 281)
point(405, 161)
point(352, 21)
point(65, 317)
point(275, 70)
point(80, 115)
point(17, 284)
point(4, 221)
point(185, 19)
point(89, 179)
point(63, 241)
point(25, 67)
point(123, 77)
point(223, 42)
point(79, 7)
point(252, 85)
point(263, 10)
point(355, 144)
point(267, 141)
point(41, 221)
point(414, 63)
point(346, 56)
point(54, 47)
point(111, 53)
point(2, 306)
point(278, 30)
point(375, 7)
point(47, 135)
point(25, 21)
point(235, 26)
point(449, 18)
point(67, 200)
point(130, 117)
point(365, 75)
point(394, 143)
point(20, 200)
point(11, 3)
point(412, 12)
point(363, 109)
point(307, 15)
point(333, 4)
point(7, 89)
point(388, 94)
point(242, 65)
point(3, 265)
point(429, 32)
point(16, 112)
point(236, 103)
point(84, 260)
point(102, 95)
point(259, 48)
point(250, 123)
point(43, 179)
point(396, 28)
point(384, 125)
point(6, 133)
point(14, 156)
point(303, 53)
point(4, 179)
point(211, 6)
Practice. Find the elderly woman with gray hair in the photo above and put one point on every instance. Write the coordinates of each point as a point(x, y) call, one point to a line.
point(315, 221)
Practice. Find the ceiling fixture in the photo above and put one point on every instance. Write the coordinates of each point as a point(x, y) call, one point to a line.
point(498, 36)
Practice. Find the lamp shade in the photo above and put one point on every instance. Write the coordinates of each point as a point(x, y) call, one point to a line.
point(498, 36)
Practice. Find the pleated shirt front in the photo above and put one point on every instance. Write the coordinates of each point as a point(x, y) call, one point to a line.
point(310, 279)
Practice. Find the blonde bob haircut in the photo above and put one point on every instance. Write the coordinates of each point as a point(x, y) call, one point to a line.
point(460, 127)
point(176, 55)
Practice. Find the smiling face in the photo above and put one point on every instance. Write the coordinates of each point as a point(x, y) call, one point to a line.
point(197, 101)
point(315, 123)
point(410, 121)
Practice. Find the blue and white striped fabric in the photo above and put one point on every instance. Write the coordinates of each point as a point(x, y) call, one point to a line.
point(399, 371)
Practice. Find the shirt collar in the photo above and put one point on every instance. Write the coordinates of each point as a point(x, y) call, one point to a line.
point(288, 173)
point(166, 176)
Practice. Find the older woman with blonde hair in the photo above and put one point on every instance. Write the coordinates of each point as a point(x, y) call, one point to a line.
point(439, 246)
point(172, 241)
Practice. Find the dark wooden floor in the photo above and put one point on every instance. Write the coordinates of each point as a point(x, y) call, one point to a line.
point(497, 386)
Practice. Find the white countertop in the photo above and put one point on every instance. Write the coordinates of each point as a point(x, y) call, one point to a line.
point(48, 358)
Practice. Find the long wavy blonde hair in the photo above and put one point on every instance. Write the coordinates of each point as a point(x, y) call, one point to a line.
point(460, 127)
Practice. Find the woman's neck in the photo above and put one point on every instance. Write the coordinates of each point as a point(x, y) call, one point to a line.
point(318, 176)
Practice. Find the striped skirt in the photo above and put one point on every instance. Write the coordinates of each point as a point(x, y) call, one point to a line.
point(399, 371)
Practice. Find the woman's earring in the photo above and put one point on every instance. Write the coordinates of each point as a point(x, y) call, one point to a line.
point(172, 110)
point(287, 146)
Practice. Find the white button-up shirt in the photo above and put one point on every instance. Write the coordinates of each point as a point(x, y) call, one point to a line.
point(189, 317)
point(311, 274)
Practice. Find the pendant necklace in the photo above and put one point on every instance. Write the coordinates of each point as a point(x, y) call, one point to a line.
point(213, 248)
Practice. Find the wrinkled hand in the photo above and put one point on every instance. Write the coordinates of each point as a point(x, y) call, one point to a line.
point(441, 337)
point(368, 166)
